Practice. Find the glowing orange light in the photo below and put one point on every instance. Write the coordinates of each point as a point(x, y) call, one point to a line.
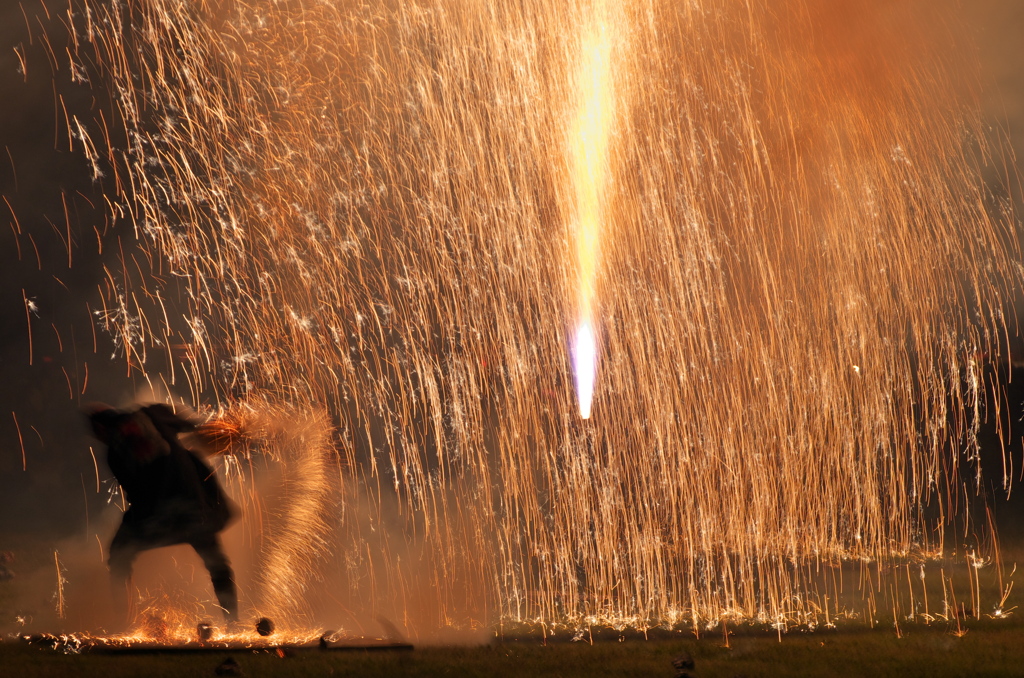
point(588, 144)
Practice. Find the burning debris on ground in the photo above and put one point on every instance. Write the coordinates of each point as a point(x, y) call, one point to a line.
point(215, 640)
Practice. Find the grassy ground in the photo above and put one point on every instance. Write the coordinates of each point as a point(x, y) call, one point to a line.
point(987, 649)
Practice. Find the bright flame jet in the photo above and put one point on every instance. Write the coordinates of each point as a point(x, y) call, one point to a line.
point(588, 143)
point(584, 358)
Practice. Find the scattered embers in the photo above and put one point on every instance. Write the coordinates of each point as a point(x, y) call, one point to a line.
point(68, 644)
point(207, 640)
point(155, 627)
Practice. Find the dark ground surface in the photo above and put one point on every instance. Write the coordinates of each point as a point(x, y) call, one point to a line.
point(988, 648)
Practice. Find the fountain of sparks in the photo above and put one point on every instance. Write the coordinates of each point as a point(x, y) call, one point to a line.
point(361, 208)
point(589, 146)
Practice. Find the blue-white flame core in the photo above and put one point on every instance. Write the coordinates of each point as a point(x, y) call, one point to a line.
point(584, 358)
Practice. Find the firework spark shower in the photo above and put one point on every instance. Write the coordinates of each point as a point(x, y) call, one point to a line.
point(402, 213)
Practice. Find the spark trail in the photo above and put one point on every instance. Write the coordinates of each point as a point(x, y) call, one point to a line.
point(361, 208)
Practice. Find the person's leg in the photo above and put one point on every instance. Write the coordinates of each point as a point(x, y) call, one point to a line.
point(122, 553)
point(209, 549)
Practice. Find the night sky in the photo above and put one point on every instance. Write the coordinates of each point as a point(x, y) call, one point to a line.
point(38, 178)
point(51, 207)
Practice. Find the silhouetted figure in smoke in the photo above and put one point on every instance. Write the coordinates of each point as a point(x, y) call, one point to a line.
point(173, 496)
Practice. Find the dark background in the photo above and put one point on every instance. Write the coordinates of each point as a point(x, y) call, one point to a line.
point(49, 270)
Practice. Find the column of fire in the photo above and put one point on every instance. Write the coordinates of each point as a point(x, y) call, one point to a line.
point(588, 150)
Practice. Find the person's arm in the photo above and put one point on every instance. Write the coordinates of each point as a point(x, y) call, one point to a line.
point(169, 422)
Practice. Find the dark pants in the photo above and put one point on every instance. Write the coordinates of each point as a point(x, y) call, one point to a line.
point(126, 546)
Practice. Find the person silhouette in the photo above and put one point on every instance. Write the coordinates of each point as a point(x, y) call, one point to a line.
point(173, 497)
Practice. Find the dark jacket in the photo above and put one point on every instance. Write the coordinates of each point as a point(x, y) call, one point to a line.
point(172, 493)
